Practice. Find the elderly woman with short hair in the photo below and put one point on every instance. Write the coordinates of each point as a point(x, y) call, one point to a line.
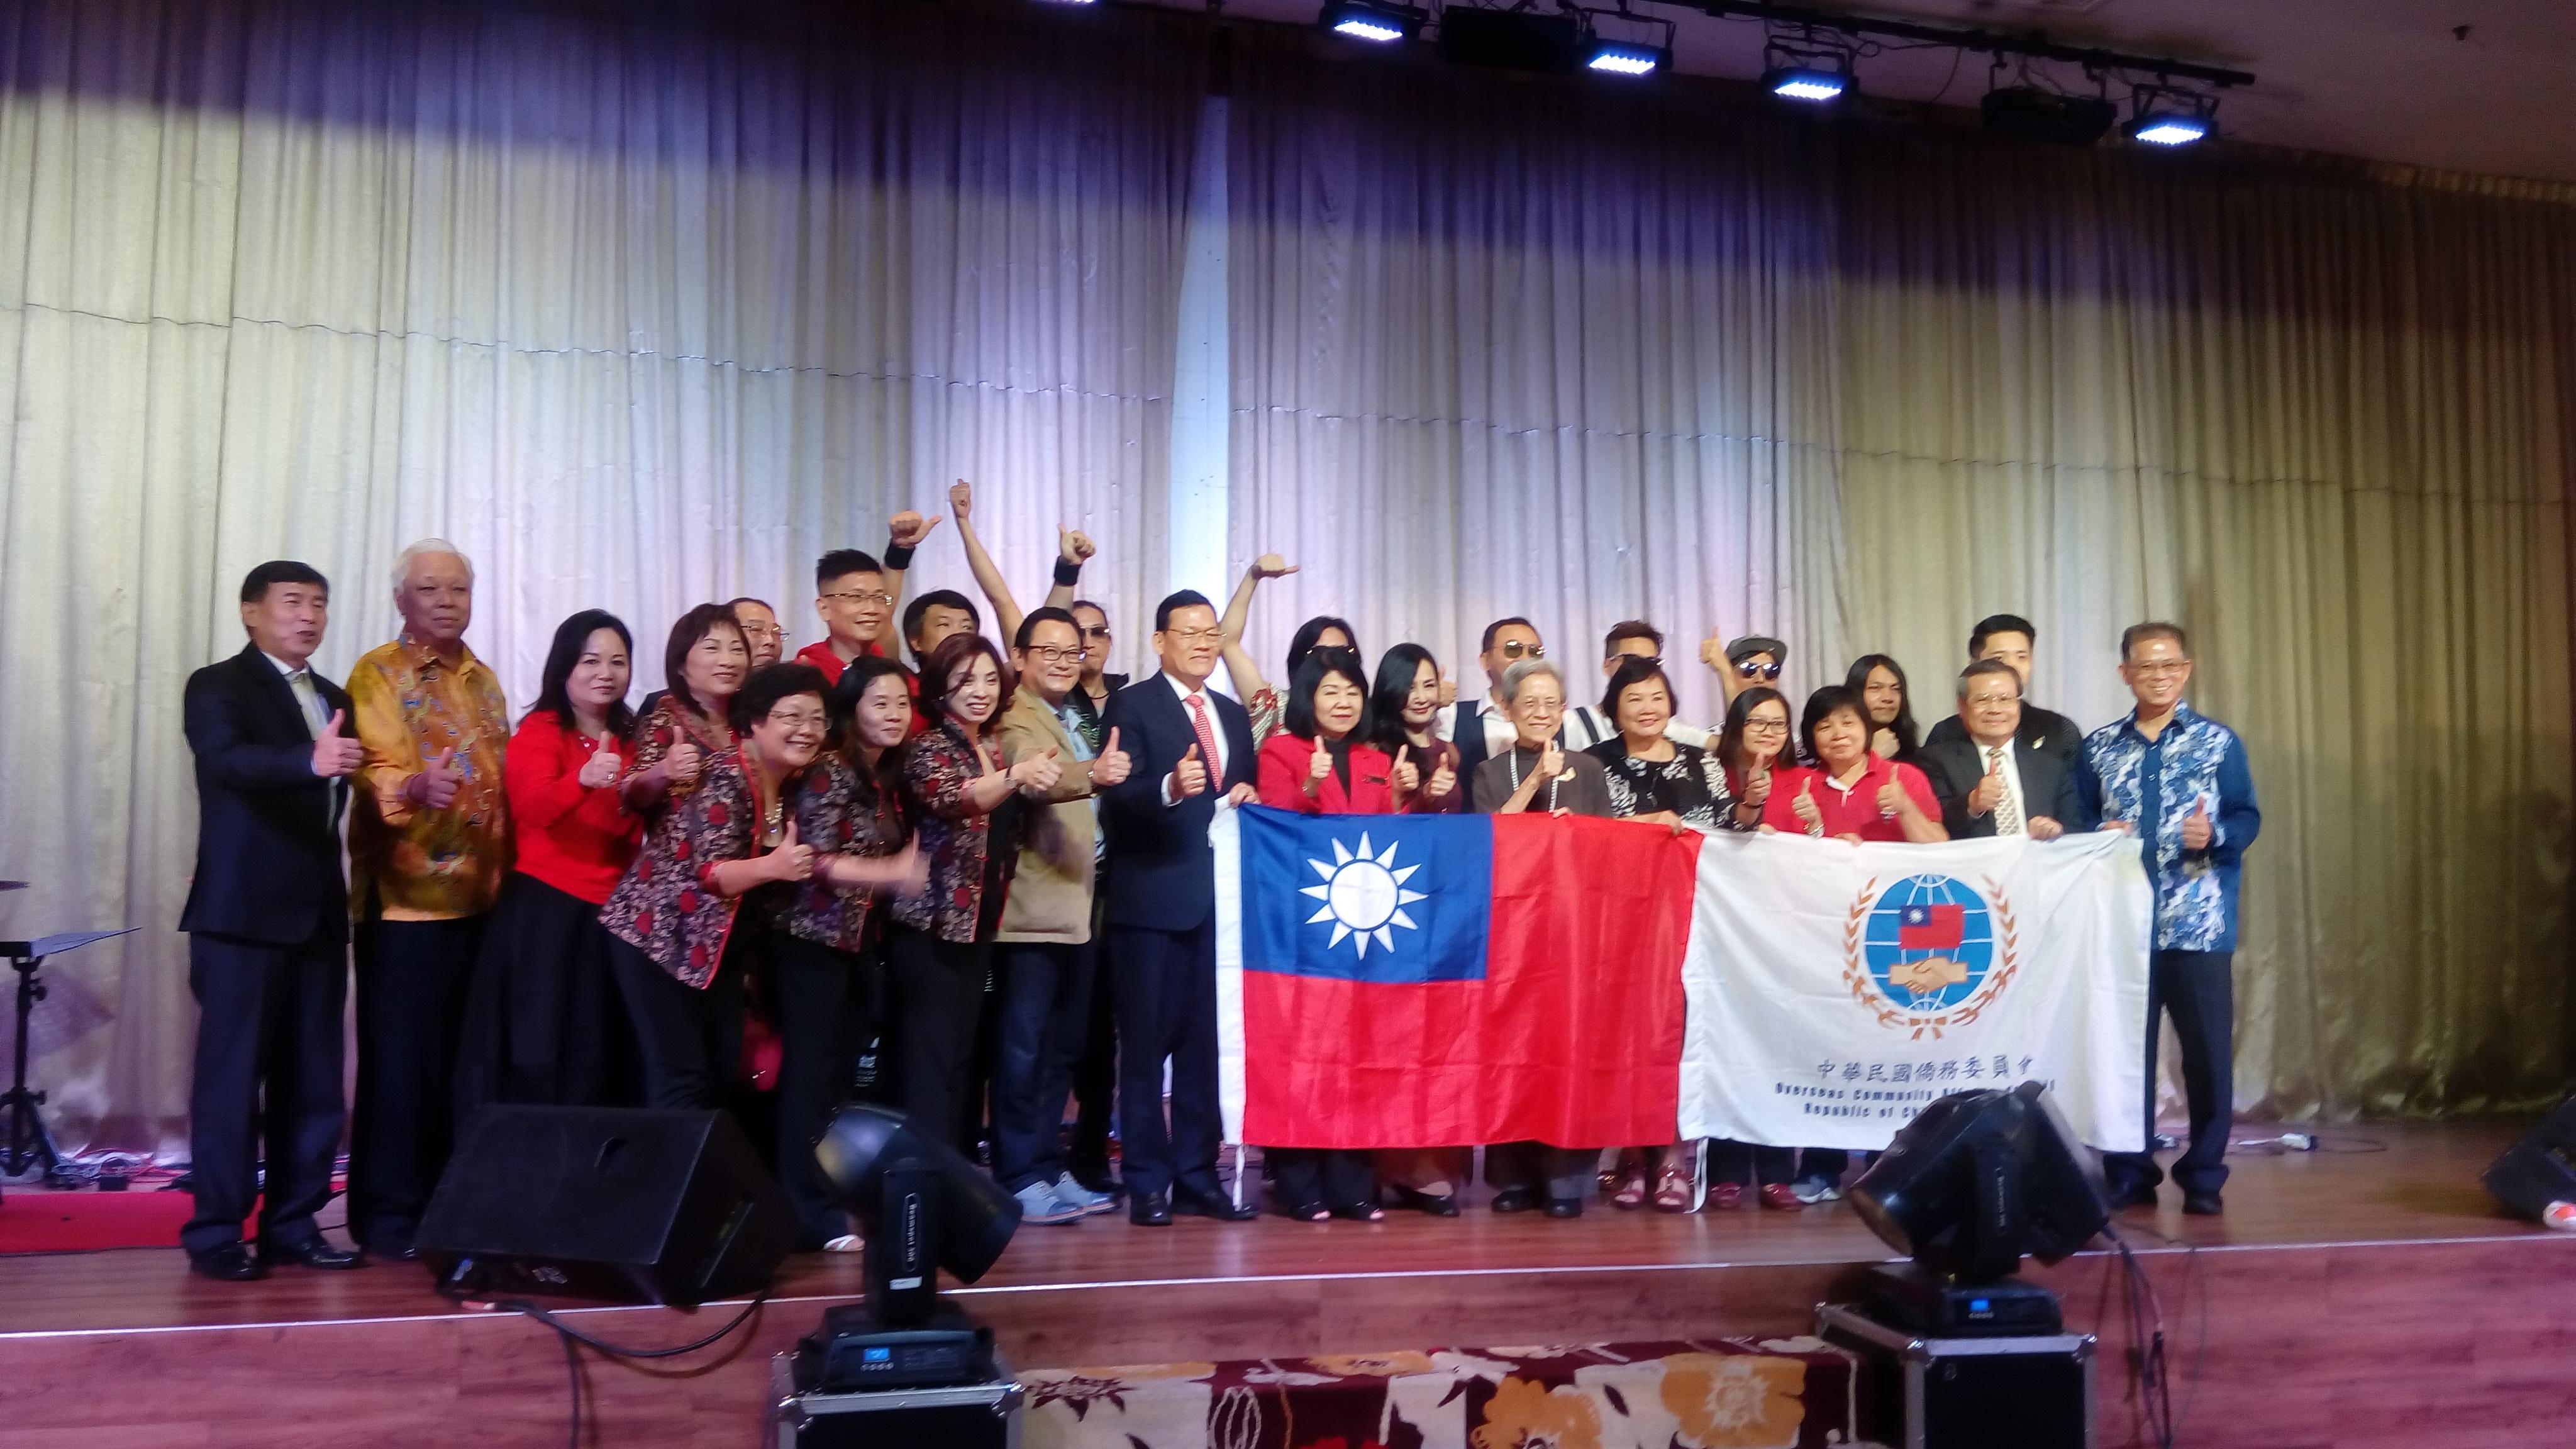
point(1537, 773)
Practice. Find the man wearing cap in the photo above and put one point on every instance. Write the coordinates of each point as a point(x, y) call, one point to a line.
point(1752, 660)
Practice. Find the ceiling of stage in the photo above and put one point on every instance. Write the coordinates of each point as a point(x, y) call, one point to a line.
point(2384, 79)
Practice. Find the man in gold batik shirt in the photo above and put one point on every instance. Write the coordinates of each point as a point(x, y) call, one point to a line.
point(428, 845)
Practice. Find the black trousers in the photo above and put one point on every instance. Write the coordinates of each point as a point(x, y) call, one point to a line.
point(1044, 1013)
point(2199, 988)
point(690, 1037)
point(1167, 1011)
point(1749, 1164)
point(413, 977)
point(268, 1071)
point(808, 990)
point(1559, 1172)
point(934, 1004)
point(1095, 1074)
point(1332, 1176)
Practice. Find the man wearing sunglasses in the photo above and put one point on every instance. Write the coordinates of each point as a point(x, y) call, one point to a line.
point(1482, 728)
point(1752, 660)
point(1628, 639)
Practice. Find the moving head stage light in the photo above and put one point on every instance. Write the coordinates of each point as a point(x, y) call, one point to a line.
point(1975, 1181)
point(923, 1207)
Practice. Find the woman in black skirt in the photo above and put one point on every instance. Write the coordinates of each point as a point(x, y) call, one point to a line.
point(545, 1023)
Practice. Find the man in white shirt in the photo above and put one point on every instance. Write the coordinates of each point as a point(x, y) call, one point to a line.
point(1586, 726)
point(1994, 782)
point(1482, 727)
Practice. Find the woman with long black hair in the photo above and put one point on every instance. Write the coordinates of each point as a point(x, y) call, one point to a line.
point(544, 1023)
point(1881, 682)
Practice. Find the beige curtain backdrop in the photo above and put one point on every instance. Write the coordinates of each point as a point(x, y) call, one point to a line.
point(1507, 346)
point(639, 315)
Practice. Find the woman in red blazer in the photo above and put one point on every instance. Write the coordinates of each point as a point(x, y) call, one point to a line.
point(1318, 765)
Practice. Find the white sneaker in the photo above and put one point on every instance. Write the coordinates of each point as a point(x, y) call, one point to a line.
point(1813, 1190)
point(1080, 1198)
point(1040, 1205)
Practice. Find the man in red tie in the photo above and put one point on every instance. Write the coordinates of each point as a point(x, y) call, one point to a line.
point(1191, 750)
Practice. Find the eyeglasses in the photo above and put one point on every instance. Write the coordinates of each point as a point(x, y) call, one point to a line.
point(880, 598)
point(2155, 667)
point(1766, 727)
point(1515, 649)
point(1056, 653)
point(765, 631)
point(1194, 636)
point(1751, 670)
point(1990, 701)
point(1100, 633)
point(799, 719)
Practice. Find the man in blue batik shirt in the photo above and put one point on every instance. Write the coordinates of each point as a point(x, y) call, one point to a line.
point(2180, 781)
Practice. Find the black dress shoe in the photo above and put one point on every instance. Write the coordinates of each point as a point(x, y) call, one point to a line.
point(1515, 1200)
point(314, 1252)
point(231, 1263)
point(1565, 1207)
point(2203, 1204)
point(1213, 1205)
point(1150, 1210)
point(2132, 1197)
point(1439, 1205)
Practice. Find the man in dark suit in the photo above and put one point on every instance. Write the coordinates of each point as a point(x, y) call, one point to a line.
point(1990, 780)
point(2009, 638)
point(268, 932)
point(1189, 748)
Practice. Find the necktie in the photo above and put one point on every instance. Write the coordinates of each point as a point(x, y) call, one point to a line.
point(2007, 814)
point(1207, 740)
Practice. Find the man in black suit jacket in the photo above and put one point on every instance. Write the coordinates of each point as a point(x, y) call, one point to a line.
point(1990, 781)
point(2009, 637)
point(268, 932)
point(1506, 643)
point(1191, 747)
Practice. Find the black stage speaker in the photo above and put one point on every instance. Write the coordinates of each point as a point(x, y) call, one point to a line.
point(2540, 1169)
point(605, 1202)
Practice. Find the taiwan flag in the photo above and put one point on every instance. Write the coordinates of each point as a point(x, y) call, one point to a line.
point(1447, 980)
point(1931, 927)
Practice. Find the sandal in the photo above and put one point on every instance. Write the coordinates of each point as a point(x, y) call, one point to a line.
point(1308, 1212)
point(1672, 1191)
point(1359, 1212)
point(1632, 1193)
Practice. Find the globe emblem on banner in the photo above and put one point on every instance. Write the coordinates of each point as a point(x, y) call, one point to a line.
point(1363, 895)
point(1929, 943)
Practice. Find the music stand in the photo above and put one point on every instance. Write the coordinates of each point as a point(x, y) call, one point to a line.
point(29, 1143)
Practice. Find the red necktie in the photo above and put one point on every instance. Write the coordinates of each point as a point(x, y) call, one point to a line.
point(1207, 741)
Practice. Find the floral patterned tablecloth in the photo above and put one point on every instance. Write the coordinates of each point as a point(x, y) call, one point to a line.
point(1784, 1393)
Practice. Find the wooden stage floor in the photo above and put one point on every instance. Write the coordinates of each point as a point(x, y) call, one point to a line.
point(2369, 1294)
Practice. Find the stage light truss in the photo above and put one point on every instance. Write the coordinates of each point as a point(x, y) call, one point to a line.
point(1812, 55)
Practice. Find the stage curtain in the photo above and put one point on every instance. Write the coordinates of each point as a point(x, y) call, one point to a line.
point(1507, 345)
point(638, 310)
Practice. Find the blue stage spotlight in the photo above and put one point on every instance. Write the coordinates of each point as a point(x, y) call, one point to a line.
point(1622, 42)
point(1372, 20)
point(1806, 72)
point(2166, 117)
point(1616, 58)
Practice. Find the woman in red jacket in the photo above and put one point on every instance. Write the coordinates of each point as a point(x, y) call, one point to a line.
point(544, 1021)
point(1318, 765)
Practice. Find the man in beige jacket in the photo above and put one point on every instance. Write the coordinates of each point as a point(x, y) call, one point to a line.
point(1045, 939)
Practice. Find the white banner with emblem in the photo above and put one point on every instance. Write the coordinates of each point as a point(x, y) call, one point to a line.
point(1835, 989)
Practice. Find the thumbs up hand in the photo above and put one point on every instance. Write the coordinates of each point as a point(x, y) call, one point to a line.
point(1111, 765)
point(1189, 777)
point(1038, 773)
point(1989, 792)
point(436, 785)
point(2196, 830)
point(603, 767)
point(1551, 761)
point(1074, 546)
point(908, 528)
point(1319, 766)
point(1805, 806)
point(681, 766)
point(790, 861)
point(335, 755)
point(1448, 690)
point(1407, 776)
point(1443, 780)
